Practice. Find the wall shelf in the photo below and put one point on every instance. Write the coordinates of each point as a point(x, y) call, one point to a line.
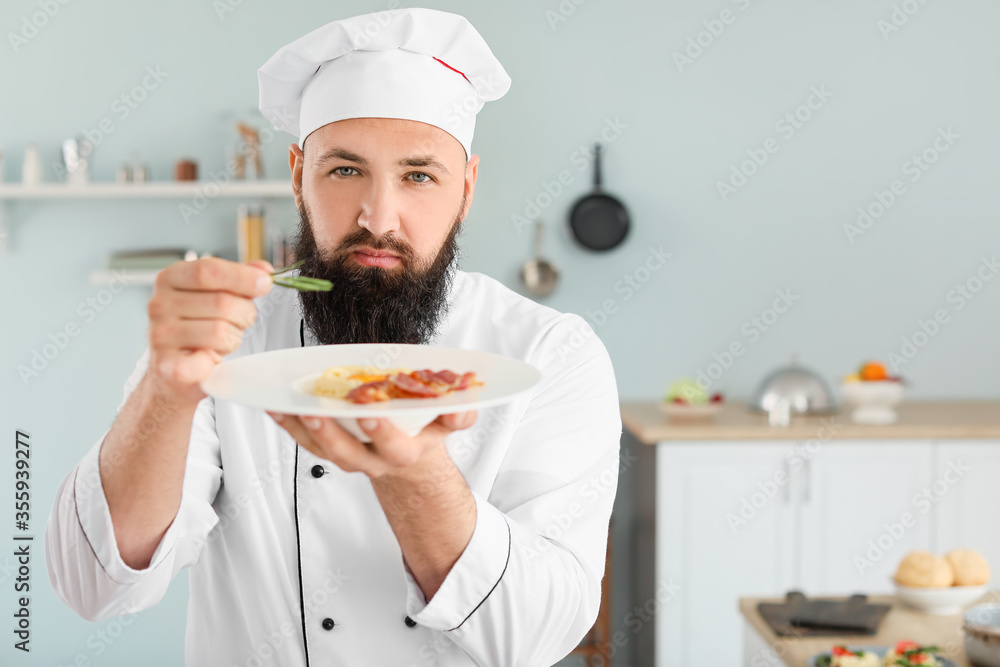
point(151, 190)
point(14, 192)
point(136, 278)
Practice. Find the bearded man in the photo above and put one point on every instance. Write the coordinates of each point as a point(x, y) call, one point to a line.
point(478, 541)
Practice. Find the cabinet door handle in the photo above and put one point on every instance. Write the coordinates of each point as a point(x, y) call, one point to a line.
point(807, 484)
point(788, 482)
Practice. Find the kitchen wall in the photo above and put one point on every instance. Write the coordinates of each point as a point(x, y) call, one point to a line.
point(743, 135)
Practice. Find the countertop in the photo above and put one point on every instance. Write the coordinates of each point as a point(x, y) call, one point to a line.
point(900, 623)
point(917, 419)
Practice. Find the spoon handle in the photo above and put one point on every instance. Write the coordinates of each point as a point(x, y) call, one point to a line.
point(539, 238)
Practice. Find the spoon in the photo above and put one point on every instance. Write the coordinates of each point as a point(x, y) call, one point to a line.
point(539, 275)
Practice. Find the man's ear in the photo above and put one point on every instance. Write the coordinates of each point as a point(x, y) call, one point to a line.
point(471, 174)
point(295, 160)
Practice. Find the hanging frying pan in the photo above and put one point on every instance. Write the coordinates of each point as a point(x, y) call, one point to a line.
point(599, 221)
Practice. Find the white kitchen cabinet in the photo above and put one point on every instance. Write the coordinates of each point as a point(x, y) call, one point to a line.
point(744, 519)
point(813, 531)
point(965, 498)
point(859, 516)
point(715, 560)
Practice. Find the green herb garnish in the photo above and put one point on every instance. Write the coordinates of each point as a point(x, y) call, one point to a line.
point(904, 659)
point(921, 649)
point(301, 283)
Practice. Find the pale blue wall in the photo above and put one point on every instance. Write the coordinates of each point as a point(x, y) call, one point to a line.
point(608, 60)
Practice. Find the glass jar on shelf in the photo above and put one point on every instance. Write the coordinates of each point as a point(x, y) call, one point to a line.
point(250, 232)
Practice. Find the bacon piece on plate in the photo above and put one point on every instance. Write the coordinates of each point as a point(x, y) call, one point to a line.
point(446, 376)
point(467, 380)
point(370, 392)
point(426, 376)
point(411, 385)
point(442, 380)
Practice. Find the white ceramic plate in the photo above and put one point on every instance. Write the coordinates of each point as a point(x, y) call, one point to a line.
point(280, 381)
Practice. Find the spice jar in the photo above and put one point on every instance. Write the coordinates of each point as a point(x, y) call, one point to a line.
point(250, 233)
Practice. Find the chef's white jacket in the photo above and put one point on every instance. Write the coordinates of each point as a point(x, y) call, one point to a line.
point(292, 561)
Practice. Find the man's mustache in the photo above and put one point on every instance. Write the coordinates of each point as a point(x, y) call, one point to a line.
point(362, 238)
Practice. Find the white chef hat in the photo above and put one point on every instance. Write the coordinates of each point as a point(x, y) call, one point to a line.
point(416, 64)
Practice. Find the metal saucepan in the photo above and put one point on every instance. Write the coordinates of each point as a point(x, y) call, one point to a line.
point(599, 221)
point(539, 276)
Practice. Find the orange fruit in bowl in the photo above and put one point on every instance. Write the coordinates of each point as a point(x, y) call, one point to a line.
point(872, 371)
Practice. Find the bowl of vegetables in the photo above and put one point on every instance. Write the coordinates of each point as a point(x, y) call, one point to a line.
point(686, 400)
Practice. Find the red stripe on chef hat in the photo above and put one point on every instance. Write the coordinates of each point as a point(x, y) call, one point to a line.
point(451, 68)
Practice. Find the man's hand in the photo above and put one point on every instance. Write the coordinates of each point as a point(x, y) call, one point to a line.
point(390, 451)
point(197, 315)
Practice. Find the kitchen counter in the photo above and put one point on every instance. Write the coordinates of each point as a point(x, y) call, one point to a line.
point(900, 623)
point(917, 419)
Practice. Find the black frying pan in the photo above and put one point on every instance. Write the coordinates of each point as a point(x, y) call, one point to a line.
point(599, 221)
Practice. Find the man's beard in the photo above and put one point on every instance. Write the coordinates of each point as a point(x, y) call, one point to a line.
point(370, 304)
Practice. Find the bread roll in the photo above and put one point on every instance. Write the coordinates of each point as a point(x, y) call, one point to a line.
point(970, 568)
point(922, 569)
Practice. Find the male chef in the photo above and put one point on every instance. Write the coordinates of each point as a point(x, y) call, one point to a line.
point(478, 541)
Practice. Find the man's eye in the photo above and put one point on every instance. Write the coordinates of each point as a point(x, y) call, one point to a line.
point(339, 171)
point(421, 177)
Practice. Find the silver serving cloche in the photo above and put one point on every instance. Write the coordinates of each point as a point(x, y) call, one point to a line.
point(804, 390)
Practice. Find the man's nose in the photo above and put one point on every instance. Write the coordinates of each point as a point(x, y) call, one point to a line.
point(380, 210)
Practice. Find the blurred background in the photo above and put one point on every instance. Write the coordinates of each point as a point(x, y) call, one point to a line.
point(826, 158)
